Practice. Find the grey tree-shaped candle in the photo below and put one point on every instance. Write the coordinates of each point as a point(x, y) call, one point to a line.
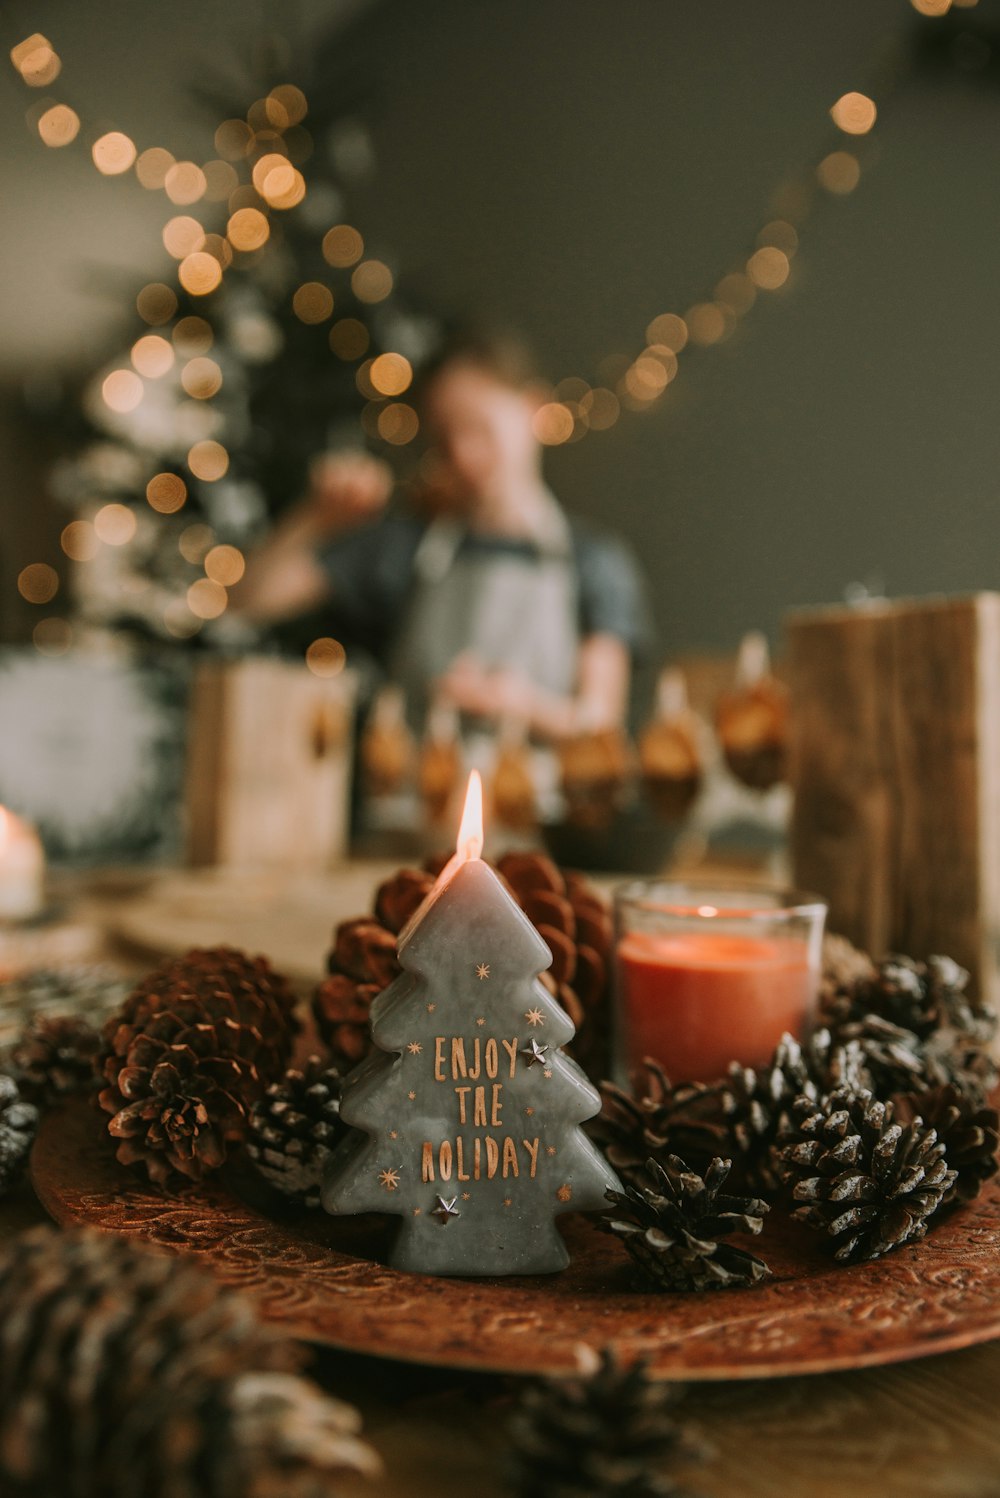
point(466, 1116)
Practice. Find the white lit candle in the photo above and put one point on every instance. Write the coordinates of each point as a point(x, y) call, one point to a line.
point(22, 868)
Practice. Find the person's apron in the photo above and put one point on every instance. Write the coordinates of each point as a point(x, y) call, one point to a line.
point(509, 611)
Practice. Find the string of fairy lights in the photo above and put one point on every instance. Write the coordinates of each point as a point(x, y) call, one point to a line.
point(255, 177)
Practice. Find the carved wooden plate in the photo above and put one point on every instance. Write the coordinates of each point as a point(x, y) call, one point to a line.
point(320, 1279)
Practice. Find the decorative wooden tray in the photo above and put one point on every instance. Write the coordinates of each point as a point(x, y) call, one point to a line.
point(321, 1279)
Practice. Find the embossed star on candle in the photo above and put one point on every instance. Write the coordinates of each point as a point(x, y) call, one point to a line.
point(483, 1105)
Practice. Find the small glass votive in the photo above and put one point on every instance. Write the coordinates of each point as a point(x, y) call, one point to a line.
point(707, 973)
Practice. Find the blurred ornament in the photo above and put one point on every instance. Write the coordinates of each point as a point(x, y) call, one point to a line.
point(669, 753)
point(387, 748)
point(595, 769)
point(441, 762)
point(752, 720)
point(513, 784)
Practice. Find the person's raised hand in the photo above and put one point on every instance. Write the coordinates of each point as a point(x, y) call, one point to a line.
point(496, 693)
point(347, 489)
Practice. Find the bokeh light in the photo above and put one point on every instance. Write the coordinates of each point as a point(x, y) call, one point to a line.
point(737, 292)
point(248, 229)
point(854, 113)
point(343, 245)
point(600, 408)
point(287, 105)
point(781, 234)
point(312, 302)
point(79, 541)
point(326, 657)
point(371, 281)
point(152, 356)
point(931, 7)
point(839, 173)
point(768, 268)
point(156, 303)
point(391, 374)
point(179, 621)
point(199, 273)
point(349, 338)
point(397, 423)
point(206, 599)
point(706, 323)
point(195, 541)
point(225, 565)
point(36, 60)
point(220, 180)
point(553, 424)
point(233, 139)
point(122, 390)
point(193, 335)
point(182, 236)
point(184, 183)
point(208, 460)
point(201, 378)
point(113, 153)
point(668, 329)
point(166, 493)
point(52, 636)
point(114, 524)
point(38, 583)
point(152, 166)
point(59, 125)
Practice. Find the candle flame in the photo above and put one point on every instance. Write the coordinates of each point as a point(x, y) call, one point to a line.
point(470, 832)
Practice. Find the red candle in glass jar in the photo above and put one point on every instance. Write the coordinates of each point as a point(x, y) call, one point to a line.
point(701, 986)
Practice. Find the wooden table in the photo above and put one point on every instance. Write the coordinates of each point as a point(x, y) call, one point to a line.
point(926, 1428)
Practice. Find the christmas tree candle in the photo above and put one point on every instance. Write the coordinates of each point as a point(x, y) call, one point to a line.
point(467, 1112)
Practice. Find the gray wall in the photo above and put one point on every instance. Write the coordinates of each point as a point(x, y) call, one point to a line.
point(578, 167)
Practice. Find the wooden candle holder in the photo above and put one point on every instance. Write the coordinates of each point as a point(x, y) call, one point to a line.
point(269, 765)
point(896, 771)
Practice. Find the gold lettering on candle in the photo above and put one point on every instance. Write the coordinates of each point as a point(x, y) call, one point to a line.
point(509, 1157)
point(458, 1068)
point(477, 1157)
point(492, 1058)
point(460, 1092)
point(439, 1045)
point(492, 1157)
point(531, 1145)
point(510, 1046)
point(444, 1160)
point(478, 1065)
point(427, 1162)
point(495, 1118)
point(479, 1119)
point(460, 1170)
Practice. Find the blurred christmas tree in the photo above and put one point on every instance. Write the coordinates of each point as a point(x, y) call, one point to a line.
point(279, 335)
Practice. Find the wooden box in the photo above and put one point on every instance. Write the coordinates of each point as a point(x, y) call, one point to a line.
point(896, 772)
point(269, 765)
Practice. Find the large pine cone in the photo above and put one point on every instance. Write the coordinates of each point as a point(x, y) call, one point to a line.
point(54, 1056)
point(970, 1134)
point(126, 1372)
point(658, 1120)
point(869, 1183)
point(673, 1226)
point(191, 1051)
point(294, 1127)
point(609, 1430)
point(18, 1122)
point(565, 909)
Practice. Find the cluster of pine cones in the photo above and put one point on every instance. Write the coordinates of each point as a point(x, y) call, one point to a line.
point(874, 1125)
point(565, 909)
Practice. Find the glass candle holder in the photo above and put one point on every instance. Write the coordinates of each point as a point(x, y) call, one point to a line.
point(707, 973)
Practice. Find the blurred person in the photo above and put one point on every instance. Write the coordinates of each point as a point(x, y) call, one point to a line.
point(479, 593)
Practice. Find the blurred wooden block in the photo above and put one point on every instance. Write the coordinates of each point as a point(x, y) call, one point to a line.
point(896, 771)
point(269, 765)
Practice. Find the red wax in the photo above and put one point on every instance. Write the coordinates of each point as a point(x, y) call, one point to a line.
point(699, 1000)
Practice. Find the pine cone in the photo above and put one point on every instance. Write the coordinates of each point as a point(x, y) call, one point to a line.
point(54, 1057)
point(658, 1121)
point(608, 1430)
point(130, 1372)
point(91, 990)
point(672, 1226)
point(18, 1122)
point(970, 1135)
point(399, 897)
point(340, 1008)
point(869, 1183)
point(191, 1051)
point(294, 1127)
point(843, 966)
point(754, 1101)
